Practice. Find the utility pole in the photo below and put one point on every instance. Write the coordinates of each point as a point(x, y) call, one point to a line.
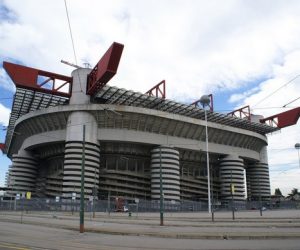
point(82, 183)
point(161, 191)
point(232, 191)
point(205, 101)
point(108, 203)
point(260, 203)
point(94, 192)
point(212, 199)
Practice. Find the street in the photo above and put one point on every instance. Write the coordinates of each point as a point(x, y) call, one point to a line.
point(276, 230)
point(22, 236)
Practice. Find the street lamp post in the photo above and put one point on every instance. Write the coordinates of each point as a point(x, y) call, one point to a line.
point(81, 228)
point(94, 193)
point(161, 203)
point(205, 101)
point(297, 146)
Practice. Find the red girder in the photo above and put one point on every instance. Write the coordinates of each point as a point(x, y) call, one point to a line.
point(160, 90)
point(284, 119)
point(243, 113)
point(26, 77)
point(2, 146)
point(105, 69)
point(211, 105)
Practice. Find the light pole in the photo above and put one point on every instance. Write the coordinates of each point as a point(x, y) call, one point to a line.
point(94, 193)
point(81, 227)
point(161, 203)
point(297, 146)
point(205, 101)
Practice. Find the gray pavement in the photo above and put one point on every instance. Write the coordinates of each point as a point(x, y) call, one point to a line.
point(273, 224)
point(274, 230)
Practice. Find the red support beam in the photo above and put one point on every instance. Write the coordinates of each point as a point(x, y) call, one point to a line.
point(26, 77)
point(243, 113)
point(211, 105)
point(159, 90)
point(2, 146)
point(105, 69)
point(284, 119)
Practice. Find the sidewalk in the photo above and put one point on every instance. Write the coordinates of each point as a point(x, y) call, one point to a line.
point(247, 225)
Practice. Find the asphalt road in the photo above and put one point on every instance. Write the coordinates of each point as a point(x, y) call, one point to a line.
point(49, 230)
point(24, 236)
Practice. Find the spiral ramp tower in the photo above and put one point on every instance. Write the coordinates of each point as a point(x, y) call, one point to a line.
point(232, 178)
point(23, 173)
point(166, 160)
point(73, 164)
point(258, 181)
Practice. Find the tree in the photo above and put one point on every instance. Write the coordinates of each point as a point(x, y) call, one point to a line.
point(294, 192)
point(278, 192)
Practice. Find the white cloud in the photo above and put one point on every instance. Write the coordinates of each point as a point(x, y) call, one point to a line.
point(241, 97)
point(282, 154)
point(198, 44)
point(285, 180)
point(4, 115)
point(5, 81)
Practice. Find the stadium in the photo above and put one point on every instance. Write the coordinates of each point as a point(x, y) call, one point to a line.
point(131, 145)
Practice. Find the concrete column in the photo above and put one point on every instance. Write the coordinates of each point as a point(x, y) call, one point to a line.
point(169, 158)
point(232, 172)
point(74, 137)
point(257, 176)
point(79, 95)
point(23, 173)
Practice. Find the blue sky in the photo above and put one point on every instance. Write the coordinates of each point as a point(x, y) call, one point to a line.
point(238, 50)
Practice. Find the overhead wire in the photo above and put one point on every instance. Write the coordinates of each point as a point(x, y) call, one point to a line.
point(280, 172)
point(284, 85)
point(72, 40)
point(70, 29)
point(282, 107)
point(291, 102)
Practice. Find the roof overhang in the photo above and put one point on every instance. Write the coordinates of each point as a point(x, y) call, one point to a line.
point(120, 96)
point(39, 80)
point(25, 101)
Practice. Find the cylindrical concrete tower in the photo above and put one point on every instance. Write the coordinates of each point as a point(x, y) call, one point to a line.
point(168, 159)
point(79, 95)
point(258, 181)
point(74, 143)
point(232, 173)
point(23, 173)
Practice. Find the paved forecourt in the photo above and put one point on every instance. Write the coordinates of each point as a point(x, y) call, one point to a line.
point(247, 225)
point(44, 230)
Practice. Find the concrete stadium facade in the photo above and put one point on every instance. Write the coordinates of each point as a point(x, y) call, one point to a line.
point(127, 145)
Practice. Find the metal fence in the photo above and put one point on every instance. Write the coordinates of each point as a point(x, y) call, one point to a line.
point(48, 204)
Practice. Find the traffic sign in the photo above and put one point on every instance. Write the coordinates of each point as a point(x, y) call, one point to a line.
point(232, 188)
point(28, 195)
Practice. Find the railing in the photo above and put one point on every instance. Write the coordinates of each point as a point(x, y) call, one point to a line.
point(48, 204)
